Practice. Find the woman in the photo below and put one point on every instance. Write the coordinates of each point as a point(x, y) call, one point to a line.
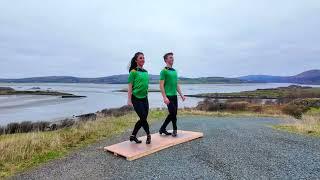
point(138, 83)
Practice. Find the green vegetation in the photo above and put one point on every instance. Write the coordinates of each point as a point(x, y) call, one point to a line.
point(309, 124)
point(291, 92)
point(298, 107)
point(24, 150)
point(301, 103)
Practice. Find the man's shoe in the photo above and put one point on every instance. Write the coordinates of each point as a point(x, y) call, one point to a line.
point(161, 131)
point(174, 133)
point(148, 141)
point(135, 139)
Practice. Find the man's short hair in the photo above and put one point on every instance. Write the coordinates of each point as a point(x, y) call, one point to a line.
point(166, 55)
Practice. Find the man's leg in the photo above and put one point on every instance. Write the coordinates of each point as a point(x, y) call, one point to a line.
point(166, 122)
point(171, 109)
point(174, 101)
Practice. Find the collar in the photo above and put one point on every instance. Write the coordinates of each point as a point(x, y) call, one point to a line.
point(140, 69)
point(169, 68)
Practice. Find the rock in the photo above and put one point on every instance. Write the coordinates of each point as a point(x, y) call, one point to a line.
point(86, 117)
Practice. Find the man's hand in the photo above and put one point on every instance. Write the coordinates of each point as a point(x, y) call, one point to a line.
point(130, 102)
point(166, 100)
point(183, 98)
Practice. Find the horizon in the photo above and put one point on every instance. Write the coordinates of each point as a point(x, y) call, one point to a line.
point(158, 75)
point(98, 38)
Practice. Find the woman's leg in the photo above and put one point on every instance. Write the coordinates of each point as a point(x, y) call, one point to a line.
point(139, 108)
point(144, 117)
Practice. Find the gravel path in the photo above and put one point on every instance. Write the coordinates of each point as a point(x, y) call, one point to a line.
point(232, 148)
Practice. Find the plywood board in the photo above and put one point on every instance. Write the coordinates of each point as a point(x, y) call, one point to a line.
point(132, 151)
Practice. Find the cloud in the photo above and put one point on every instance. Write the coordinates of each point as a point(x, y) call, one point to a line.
point(209, 38)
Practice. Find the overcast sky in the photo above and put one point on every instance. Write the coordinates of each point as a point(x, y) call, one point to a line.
point(209, 37)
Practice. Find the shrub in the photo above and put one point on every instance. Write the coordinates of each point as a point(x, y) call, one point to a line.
point(2, 130)
point(67, 123)
point(40, 125)
point(117, 111)
point(86, 117)
point(256, 108)
point(299, 106)
point(210, 105)
point(237, 106)
point(25, 126)
point(294, 110)
point(12, 128)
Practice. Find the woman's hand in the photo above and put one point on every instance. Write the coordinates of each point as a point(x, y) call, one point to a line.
point(166, 100)
point(130, 102)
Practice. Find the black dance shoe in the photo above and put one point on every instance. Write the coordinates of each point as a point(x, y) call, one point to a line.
point(135, 139)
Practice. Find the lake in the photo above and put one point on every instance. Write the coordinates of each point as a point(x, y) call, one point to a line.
point(17, 108)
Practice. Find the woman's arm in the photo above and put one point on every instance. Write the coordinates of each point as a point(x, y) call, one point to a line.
point(129, 94)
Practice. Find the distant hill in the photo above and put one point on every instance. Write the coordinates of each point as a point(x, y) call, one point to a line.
point(307, 77)
point(117, 79)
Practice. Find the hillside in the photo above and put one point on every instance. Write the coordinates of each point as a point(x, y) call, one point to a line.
point(117, 79)
point(307, 77)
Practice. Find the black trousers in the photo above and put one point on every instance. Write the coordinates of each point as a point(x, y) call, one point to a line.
point(172, 116)
point(141, 106)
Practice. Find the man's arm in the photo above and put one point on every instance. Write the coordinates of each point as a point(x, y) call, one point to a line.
point(163, 92)
point(180, 92)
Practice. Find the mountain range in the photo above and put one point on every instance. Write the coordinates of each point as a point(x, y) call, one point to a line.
point(307, 77)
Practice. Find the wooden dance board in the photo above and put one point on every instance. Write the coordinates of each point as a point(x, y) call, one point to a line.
point(132, 151)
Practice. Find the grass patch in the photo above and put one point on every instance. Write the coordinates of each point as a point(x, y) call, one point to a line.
point(308, 125)
point(22, 151)
point(193, 112)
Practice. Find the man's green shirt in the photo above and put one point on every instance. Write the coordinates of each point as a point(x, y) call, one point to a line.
point(170, 77)
point(139, 79)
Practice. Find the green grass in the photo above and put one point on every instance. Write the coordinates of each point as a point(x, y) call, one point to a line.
point(308, 125)
point(295, 129)
point(314, 111)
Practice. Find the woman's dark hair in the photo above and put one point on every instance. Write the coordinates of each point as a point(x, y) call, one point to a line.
point(133, 63)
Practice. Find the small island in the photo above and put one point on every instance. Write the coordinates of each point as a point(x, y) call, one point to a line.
point(11, 91)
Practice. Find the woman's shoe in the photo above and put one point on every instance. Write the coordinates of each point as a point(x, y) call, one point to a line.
point(148, 141)
point(174, 133)
point(135, 139)
point(161, 131)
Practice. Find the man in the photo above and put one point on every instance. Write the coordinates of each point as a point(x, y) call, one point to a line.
point(169, 87)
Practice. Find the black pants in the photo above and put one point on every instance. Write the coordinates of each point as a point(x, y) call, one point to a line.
point(173, 109)
point(141, 106)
